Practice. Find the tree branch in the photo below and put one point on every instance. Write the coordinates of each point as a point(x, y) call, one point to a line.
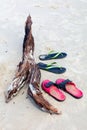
point(29, 73)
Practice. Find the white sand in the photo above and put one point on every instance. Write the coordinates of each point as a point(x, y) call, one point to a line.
point(57, 24)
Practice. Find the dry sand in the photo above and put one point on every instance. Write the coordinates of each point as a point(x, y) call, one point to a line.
point(59, 25)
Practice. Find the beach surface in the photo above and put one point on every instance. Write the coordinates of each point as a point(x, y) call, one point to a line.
point(59, 25)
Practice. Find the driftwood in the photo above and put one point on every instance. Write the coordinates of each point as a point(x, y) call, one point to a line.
point(29, 73)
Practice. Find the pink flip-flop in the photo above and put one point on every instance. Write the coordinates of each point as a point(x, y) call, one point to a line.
point(69, 87)
point(50, 88)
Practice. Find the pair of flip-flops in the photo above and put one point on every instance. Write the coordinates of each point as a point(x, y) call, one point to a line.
point(53, 67)
point(54, 89)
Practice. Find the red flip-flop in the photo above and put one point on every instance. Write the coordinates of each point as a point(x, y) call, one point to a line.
point(50, 88)
point(69, 87)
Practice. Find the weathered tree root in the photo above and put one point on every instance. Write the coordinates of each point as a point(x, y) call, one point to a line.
point(29, 73)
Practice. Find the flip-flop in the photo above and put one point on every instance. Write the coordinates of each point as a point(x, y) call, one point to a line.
point(51, 68)
point(50, 88)
point(53, 55)
point(69, 87)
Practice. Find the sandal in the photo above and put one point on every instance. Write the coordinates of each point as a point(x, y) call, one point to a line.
point(69, 87)
point(51, 68)
point(52, 55)
point(50, 88)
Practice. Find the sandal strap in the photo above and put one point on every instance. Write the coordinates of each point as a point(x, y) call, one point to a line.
point(50, 84)
point(56, 54)
point(53, 55)
point(62, 85)
point(51, 64)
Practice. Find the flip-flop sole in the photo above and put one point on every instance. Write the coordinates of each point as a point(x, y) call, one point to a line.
point(53, 91)
point(52, 56)
point(71, 89)
point(56, 70)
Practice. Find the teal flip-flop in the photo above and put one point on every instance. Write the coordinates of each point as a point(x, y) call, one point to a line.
point(52, 55)
point(52, 68)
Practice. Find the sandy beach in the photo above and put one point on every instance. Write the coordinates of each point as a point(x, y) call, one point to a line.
point(59, 25)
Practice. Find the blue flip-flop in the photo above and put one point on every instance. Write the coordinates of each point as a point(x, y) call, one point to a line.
point(52, 68)
point(52, 55)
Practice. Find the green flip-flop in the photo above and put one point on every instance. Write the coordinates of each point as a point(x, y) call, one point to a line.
point(52, 55)
point(52, 68)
